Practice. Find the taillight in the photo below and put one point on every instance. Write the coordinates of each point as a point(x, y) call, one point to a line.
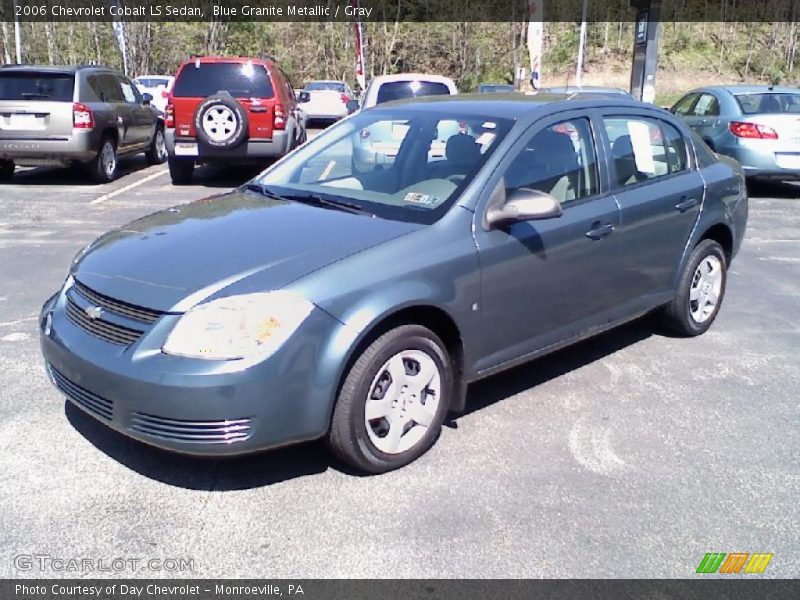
point(82, 117)
point(169, 116)
point(278, 117)
point(345, 98)
point(753, 131)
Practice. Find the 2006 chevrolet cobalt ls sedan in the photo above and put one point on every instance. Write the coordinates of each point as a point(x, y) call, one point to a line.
point(334, 296)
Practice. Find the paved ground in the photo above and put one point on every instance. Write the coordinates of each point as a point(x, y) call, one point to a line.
point(632, 454)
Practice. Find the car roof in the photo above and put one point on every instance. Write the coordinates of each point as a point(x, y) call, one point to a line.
point(750, 89)
point(412, 77)
point(509, 105)
point(53, 68)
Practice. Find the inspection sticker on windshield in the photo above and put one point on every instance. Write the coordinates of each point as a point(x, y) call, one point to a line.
point(421, 199)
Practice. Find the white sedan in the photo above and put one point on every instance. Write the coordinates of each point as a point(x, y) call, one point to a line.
point(158, 86)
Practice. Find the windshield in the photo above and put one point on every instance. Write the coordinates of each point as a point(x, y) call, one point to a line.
point(241, 80)
point(775, 103)
point(334, 86)
point(398, 164)
point(36, 86)
point(397, 90)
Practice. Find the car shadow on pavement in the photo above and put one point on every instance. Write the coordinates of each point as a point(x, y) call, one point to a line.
point(266, 468)
point(215, 176)
point(75, 175)
point(765, 188)
point(493, 389)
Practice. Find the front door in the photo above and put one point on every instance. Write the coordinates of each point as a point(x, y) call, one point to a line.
point(547, 280)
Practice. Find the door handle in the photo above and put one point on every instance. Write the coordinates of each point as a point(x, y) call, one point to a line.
point(685, 204)
point(600, 230)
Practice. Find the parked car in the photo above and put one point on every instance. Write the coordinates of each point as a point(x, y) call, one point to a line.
point(575, 90)
point(495, 88)
point(325, 100)
point(316, 301)
point(380, 143)
point(158, 86)
point(62, 116)
point(230, 110)
point(757, 125)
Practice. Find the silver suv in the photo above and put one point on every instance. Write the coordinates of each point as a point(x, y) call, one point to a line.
point(60, 116)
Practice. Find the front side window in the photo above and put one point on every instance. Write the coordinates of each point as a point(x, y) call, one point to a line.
point(560, 161)
point(644, 148)
point(403, 165)
point(684, 106)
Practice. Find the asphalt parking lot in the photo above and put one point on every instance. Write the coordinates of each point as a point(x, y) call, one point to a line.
point(630, 455)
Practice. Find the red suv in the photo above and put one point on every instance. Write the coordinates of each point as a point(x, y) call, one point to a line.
point(230, 110)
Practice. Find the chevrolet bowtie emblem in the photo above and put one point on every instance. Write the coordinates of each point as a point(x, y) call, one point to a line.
point(93, 312)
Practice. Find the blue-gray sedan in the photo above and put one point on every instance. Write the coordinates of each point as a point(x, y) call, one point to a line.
point(335, 297)
point(759, 126)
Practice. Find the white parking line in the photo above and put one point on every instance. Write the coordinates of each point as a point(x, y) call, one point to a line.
point(128, 188)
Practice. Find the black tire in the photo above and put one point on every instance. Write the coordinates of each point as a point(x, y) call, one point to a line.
point(180, 171)
point(6, 169)
point(348, 437)
point(157, 153)
point(677, 315)
point(229, 136)
point(101, 170)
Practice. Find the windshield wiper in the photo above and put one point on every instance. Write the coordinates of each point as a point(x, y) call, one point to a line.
point(317, 200)
point(263, 190)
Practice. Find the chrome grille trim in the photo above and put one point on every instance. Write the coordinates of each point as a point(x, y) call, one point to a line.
point(208, 432)
point(137, 313)
point(105, 330)
point(97, 405)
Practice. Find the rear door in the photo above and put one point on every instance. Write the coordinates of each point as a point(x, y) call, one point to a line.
point(660, 193)
point(116, 112)
point(704, 117)
point(36, 105)
point(142, 118)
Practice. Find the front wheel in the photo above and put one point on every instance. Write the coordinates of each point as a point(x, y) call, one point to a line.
point(393, 401)
point(700, 291)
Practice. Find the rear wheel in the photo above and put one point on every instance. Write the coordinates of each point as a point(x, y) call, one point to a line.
point(104, 166)
point(393, 400)
point(157, 153)
point(181, 171)
point(700, 291)
point(6, 169)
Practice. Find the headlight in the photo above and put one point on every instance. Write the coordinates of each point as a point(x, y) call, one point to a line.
point(238, 326)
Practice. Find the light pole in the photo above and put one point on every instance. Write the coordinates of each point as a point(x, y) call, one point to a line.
point(581, 46)
point(17, 35)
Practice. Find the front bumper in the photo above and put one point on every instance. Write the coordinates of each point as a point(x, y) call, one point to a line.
point(250, 150)
point(196, 406)
point(80, 146)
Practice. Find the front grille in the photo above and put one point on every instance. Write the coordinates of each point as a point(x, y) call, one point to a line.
point(95, 404)
point(137, 313)
point(105, 330)
point(207, 432)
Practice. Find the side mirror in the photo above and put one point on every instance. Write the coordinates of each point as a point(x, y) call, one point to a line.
point(352, 106)
point(523, 204)
point(147, 99)
point(303, 97)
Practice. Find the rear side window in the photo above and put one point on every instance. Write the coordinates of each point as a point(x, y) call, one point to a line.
point(239, 80)
point(52, 87)
point(397, 90)
point(707, 106)
point(644, 148)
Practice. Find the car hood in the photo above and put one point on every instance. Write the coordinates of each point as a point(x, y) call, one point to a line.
point(176, 258)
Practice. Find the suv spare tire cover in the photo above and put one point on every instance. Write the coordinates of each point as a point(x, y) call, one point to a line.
point(220, 121)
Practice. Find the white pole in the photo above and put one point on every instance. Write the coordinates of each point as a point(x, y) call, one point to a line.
point(17, 35)
point(581, 45)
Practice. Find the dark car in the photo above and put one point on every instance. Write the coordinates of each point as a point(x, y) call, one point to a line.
point(758, 125)
point(61, 116)
point(356, 302)
point(229, 110)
